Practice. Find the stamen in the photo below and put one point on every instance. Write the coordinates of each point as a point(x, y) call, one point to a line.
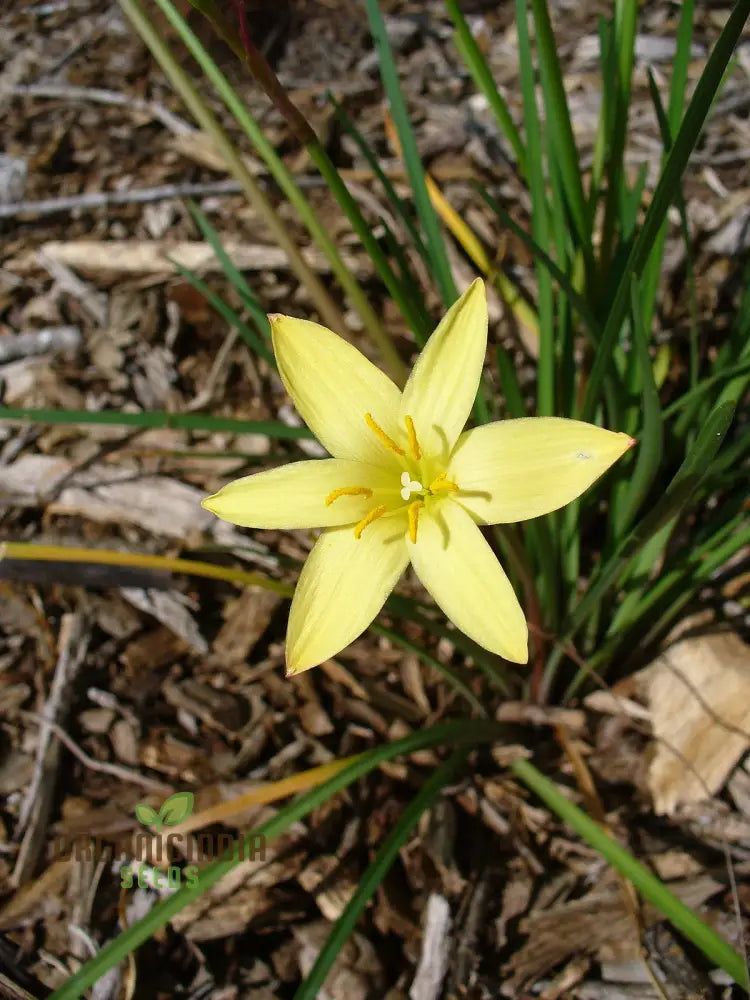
point(374, 514)
point(348, 491)
point(441, 483)
point(414, 509)
point(416, 453)
point(387, 441)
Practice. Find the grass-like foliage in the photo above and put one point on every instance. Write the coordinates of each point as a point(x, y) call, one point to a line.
point(673, 514)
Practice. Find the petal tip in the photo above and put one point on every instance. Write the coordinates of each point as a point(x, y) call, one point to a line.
point(292, 669)
point(520, 657)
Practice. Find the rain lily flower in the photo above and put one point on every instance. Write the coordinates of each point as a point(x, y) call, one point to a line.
point(405, 485)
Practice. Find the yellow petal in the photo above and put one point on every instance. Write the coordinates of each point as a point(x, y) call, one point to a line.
point(294, 495)
point(341, 588)
point(443, 384)
point(460, 570)
point(516, 469)
point(333, 386)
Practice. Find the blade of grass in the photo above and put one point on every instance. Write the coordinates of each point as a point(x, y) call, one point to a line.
point(446, 672)
point(539, 254)
point(511, 390)
point(560, 128)
point(258, 65)
point(492, 666)
point(251, 338)
point(376, 872)
point(624, 30)
point(677, 92)
point(679, 915)
point(472, 245)
point(541, 541)
point(652, 437)
point(687, 479)
point(287, 183)
point(605, 32)
point(476, 64)
point(701, 562)
point(539, 216)
point(175, 421)
point(426, 213)
point(30, 551)
point(210, 125)
point(666, 137)
point(674, 167)
point(411, 285)
point(469, 733)
point(397, 203)
point(710, 381)
point(234, 276)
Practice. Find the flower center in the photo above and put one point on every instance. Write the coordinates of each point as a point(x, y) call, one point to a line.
point(412, 492)
point(409, 486)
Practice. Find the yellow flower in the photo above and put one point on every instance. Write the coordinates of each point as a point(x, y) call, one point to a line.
point(406, 485)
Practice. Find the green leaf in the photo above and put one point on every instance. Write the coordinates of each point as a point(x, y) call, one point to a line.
point(176, 808)
point(685, 142)
point(372, 878)
point(251, 338)
point(145, 814)
point(560, 127)
point(396, 203)
point(465, 733)
point(542, 257)
point(650, 448)
point(540, 219)
point(678, 914)
point(280, 172)
point(674, 499)
point(477, 65)
point(425, 210)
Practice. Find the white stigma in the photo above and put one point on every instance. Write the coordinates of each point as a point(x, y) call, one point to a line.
point(409, 486)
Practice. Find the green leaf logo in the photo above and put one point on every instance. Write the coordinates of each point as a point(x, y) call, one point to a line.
point(146, 815)
point(176, 808)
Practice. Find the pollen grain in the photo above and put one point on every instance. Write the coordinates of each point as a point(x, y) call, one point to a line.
point(416, 451)
point(348, 491)
point(373, 515)
point(385, 438)
point(414, 509)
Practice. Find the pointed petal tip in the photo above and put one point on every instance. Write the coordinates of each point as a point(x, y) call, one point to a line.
point(293, 669)
point(519, 657)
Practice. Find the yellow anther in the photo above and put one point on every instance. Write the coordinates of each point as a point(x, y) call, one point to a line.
point(441, 483)
point(414, 509)
point(348, 491)
point(374, 514)
point(387, 441)
point(416, 453)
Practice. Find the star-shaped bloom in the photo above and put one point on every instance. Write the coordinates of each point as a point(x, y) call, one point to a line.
point(406, 485)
